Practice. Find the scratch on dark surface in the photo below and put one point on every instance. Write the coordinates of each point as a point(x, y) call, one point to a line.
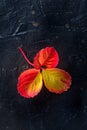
point(41, 6)
point(79, 17)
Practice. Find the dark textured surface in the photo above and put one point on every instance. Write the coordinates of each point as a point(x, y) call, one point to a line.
point(35, 24)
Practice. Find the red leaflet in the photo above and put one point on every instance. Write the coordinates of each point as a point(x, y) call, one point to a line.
point(30, 83)
point(56, 80)
point(47, 57)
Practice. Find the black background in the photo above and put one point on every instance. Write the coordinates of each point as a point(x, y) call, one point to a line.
point(34, 24)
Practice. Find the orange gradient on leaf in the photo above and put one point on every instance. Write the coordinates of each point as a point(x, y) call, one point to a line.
point(47, 57)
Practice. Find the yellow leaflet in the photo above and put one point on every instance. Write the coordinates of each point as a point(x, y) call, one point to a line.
point(56, 80)
point(34, 88)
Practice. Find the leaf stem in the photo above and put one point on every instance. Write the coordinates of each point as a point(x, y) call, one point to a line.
point(23, 53)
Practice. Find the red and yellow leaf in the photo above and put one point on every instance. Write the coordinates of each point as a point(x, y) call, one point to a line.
point(29, 83)
point(56, 80)
point(47, 57)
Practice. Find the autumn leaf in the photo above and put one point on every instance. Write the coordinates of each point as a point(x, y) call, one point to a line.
point(56, 80)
